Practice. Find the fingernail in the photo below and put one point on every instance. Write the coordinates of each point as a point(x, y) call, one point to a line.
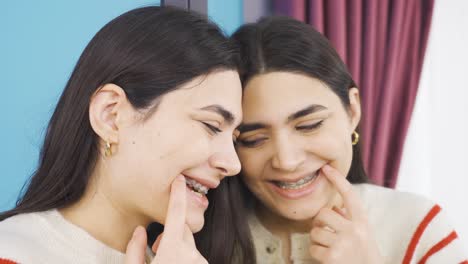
point(180, 178)
point(326, 167)
point(135, 233)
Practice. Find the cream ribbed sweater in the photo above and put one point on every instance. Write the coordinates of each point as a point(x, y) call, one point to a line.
point(47, 237)
point(408, 229)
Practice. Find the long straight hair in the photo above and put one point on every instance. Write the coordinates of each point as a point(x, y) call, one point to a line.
point(148, 52)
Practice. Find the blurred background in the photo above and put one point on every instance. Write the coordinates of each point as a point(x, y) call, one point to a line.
point(408, 57)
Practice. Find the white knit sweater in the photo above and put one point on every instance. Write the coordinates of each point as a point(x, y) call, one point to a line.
point(47, 237)
point(408, 229)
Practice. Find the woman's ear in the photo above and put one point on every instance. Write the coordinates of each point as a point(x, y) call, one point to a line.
point(105, 110)
point(354, 107)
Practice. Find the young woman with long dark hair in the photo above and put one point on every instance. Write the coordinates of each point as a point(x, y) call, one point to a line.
point(301, 164)
point(142, 133)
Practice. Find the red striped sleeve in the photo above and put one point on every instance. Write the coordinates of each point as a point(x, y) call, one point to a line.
point(418, 233)
point(444, 242)
point(7, 261)
point(464, 262)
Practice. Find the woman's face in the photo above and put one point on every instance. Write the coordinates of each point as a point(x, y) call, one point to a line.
point(190, 133)
point(292, 126)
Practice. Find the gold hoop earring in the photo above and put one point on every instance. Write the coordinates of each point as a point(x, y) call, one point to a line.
point(355, 138)
point(108, 149)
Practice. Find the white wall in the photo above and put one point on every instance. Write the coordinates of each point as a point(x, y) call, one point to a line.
point(435, 156)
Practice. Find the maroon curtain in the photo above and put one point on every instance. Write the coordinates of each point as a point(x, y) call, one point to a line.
point(383, 43)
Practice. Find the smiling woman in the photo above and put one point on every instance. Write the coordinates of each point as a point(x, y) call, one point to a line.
point(142, 133)
point(305, 185)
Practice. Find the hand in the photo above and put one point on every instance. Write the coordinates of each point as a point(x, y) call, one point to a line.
point(342, 235)
point(176, 244)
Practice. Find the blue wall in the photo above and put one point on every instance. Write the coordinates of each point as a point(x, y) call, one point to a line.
point(40, 44)
point(228, 14)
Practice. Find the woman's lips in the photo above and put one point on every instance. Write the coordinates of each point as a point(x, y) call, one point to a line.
point(199, 199)
point(298, 193)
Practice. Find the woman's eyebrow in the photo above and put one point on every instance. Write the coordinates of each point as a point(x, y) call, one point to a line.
point(306, 111)
point(227, 116)
point(246, 127)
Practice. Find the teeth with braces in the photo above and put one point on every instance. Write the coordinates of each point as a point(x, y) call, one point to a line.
point(299, 184)
point(197, 187)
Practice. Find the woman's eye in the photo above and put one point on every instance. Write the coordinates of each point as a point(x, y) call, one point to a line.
point(212, 128)
point(250, 143)
point(310, 127)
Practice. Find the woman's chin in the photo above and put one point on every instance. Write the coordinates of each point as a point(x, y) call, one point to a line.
point(195, 222)
point(299, 212)
point(299, 216)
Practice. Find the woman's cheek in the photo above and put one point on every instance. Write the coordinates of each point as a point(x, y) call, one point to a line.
point(251, 164)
